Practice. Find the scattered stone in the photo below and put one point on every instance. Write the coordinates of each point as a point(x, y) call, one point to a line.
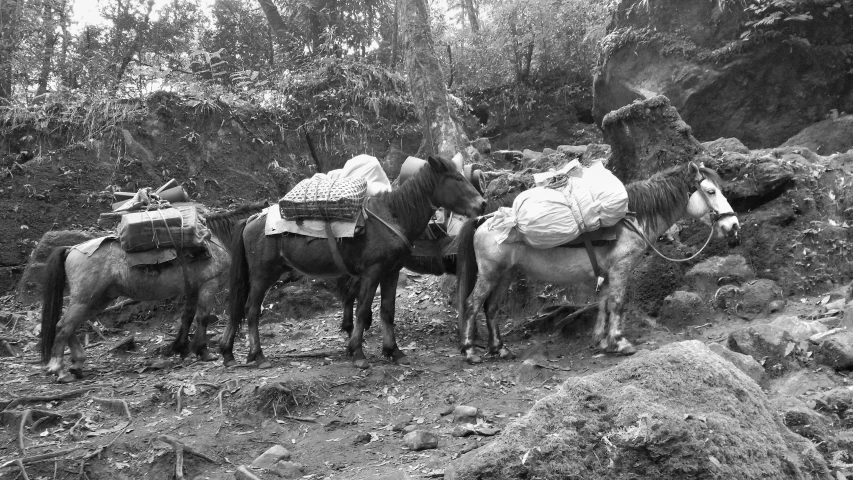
point(681, 309)
point(286, 469)
point(836, 351)
point(528, 154)
point(269, 458)
point(640, 405)
point(361, 439)
point(837, 401)
point(409, 429)
point(572, 151)
point(768, 344)
point(803, 382)
point(447, 410)
point(744, 363)
point(776, 306)
point(465, 414)
point(463, 430)
point(801, 419)
point(799, 329)
point(726, 145)
point(487, 431)
point(243, 473)
point(420, 440)
point(706, 276)
point(398, 427)
point(757, 295)
point(728, 298)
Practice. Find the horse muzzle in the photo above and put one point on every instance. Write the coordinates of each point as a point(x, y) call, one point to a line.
point(477, 207)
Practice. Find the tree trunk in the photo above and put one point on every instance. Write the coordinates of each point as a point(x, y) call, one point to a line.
point(7, 46)
point(442, 136)
point(473, 19)
point(136, 47)
point(47, 54)
point(279, 27)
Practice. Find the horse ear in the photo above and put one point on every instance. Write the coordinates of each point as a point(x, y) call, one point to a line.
point(694, 170)
point(436, 164)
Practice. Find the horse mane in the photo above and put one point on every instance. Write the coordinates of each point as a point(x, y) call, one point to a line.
point(221, 223)
point(663, 196)
point(411, 199)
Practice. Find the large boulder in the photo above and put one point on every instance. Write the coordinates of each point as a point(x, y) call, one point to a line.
point(646, 137)
point(30, 286)
point(761, 89)
point(681, 412)
point(833, 135)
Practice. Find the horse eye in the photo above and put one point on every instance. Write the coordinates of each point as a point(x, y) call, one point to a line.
point(711, 192)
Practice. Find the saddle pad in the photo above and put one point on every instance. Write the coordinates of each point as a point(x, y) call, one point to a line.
point(151, 257)
point(276, 225)
point(91, 246)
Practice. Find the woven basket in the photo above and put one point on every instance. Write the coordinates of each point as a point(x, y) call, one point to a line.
point(338, 199)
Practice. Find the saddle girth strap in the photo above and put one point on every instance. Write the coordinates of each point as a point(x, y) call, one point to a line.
point(333, 246)
point(596, 269)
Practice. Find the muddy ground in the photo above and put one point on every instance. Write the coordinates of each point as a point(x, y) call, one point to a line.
point(337, 422)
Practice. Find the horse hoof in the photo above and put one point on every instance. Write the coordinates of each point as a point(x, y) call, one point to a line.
point(266, 364)
point(361, 363)
point(402, 360)
point(505, 354)
point(624, 347)
point(208, 357)
point(473, 358)
point(230, 363)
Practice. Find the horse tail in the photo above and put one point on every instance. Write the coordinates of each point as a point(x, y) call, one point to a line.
point(238, 278)
point(51, 310)
point(466, 267)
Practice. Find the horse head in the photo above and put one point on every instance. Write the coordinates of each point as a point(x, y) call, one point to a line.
point(453, 191)
point(708, 203)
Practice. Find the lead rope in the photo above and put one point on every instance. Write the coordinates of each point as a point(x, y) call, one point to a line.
point(636, 228)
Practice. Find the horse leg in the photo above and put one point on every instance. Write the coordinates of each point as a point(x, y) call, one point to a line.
point(181, 345)
point(600, 332)
point(388, 284)
point(253, 315)
point(491, 308)
point(78, 355)
point(482, 290)
point(616, 341)
point(66, 327)
point(203, 318)
point(363, 317)
point(347, 289)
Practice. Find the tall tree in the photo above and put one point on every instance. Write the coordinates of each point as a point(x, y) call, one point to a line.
point(442, 135)
point(49, 25)
point(8, 45)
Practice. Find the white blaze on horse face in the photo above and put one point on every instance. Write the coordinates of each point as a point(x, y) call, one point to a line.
point(700, 207)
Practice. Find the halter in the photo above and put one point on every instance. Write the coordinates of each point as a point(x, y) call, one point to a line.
point(714, 215)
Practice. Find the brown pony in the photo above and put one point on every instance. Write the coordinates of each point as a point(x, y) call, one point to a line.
point(375, 257)
point(657, 203)
point(95, 280)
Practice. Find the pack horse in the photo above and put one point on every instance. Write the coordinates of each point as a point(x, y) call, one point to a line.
point(393, 220)
point(95, 279)
point(657, 203)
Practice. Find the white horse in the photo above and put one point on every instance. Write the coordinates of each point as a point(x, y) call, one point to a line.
point(656, 203)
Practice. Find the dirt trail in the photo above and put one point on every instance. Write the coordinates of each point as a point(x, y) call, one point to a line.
point(337, 422)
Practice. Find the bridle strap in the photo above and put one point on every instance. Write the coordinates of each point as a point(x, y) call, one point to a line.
point(390, 227)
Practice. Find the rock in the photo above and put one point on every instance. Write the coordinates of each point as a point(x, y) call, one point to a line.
point(465, 414)
point(681, 309)
point(420, 440)
point(483, 145)
point(744, 363)
point(648, 403)
point(834, 135)
point(726, 145)
point(676, 50)
point(243, 473)
point(838, 401)
point(803, 382)
point(463, 430)
point(646, 137)
point(361, 439)
point(776, 306)
point(597, 152)
point(767, 344)
point(728, 298)
point(572, 151)
point(30, 286)
point(447, 410)
point(799, 329)
point(801, 419)
point(408, 429)
point(528, 155)
point(757, 295)
point(269, 458)
point(287, 469)
point(753, 178)
point(836, 351)
point(705, 277)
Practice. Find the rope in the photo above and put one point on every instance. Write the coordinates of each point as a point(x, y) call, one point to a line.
point(636, 228)
point(390, 227)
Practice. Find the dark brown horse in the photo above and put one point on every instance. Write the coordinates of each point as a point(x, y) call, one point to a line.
point(485, 264)
point(348, 287)
point(375, 257)
point(97, 279)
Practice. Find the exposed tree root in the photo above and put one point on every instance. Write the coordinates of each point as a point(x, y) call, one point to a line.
point(24, 417)
point(39, 458)
point(47, 398)
point(180, 448)
point(300, 419)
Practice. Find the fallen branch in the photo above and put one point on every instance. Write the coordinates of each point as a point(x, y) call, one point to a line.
point(124, 342)
point(120, 305)
point(300, 419)
point(178, 398)
point(38, 458)
point(175, 443)
point(23, 470)
point(219, 397)
point(97, 330)
point(48, 398)
point(24, 418)
point(570, 318)
point(117, 405)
